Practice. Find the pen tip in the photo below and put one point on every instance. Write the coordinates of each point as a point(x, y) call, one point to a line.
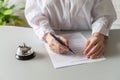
point(71, 51)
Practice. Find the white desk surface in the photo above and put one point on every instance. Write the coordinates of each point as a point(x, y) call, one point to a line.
point(41, 68)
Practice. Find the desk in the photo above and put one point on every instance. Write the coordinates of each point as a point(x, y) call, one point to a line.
point(41, 68)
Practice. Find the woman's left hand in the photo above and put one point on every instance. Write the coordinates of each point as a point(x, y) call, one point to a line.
point(94, 47)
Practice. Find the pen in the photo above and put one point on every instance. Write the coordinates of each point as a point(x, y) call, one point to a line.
point(62, 43)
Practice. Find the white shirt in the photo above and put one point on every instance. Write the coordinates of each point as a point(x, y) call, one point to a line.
point(49, 15)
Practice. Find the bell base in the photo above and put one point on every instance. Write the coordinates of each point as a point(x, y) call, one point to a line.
point(25, 57)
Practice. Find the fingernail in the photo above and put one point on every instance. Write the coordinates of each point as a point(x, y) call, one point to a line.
point(84, 52)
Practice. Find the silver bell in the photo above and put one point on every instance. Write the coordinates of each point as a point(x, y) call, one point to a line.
point(24, 52)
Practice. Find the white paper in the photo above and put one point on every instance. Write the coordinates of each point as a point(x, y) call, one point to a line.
point(76, 43)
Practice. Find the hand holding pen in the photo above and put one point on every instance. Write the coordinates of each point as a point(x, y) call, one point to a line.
point(57, 43)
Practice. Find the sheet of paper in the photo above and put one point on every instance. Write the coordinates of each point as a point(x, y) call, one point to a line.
point(76, 43)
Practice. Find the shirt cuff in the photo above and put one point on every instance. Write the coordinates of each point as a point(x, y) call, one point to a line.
point(101, 28)
point(40, 32)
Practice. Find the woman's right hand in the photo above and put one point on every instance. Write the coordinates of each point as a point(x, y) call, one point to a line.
point(54, 45)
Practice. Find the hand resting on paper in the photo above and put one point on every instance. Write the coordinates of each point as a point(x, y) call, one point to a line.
point(94, 47)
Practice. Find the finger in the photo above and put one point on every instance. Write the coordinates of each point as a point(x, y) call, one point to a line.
point(98, 56)
point(89, 47)
point(54, 46)
point(63, 50)
point(64, 40)
point(86, 44)
point(51, 45)
point(99, 52)
point(59, 48)
point(53, 49)
point(94, 49)
point(93, 41)
point(96, 53)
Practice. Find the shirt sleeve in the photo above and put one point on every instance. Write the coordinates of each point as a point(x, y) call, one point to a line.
point(37, 18)
point(104, 15)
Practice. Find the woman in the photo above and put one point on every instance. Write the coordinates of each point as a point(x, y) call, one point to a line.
point(45, 16)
